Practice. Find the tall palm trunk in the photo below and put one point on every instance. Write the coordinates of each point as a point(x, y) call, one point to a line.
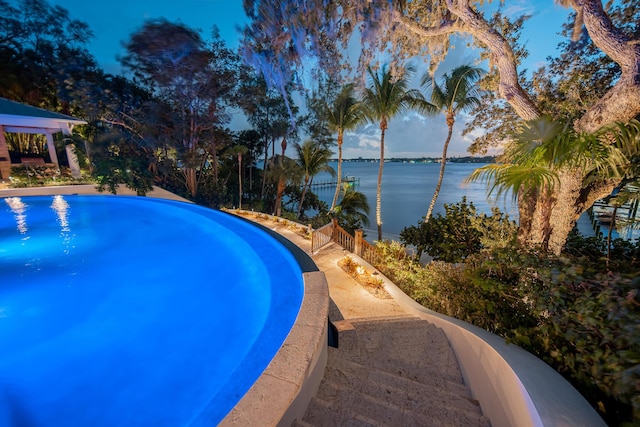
point(240, 180)
point(264, 167)
point(383, 128)
point(191, 180)
point(339, 180)
point(304, 193)
point(554, 215)
point(443, 163)
point(280, 191)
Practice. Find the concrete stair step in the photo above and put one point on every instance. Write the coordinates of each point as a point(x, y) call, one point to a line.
point(349, 339)
point(446, 372)
point(342, 381)
point(351, 408)
point(321, 413)
point(395, 333)
point(387, 319)
point(344, 374)
point(392, 371)
point(417, 396)
point(427, 371)
point(360, 410)
point(345, 364)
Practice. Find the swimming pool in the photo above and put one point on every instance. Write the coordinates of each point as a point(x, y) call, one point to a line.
point(135, 311)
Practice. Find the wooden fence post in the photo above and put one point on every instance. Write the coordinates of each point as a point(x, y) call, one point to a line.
point(357, 245)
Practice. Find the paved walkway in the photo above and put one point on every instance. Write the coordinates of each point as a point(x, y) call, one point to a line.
point(390, 368)
point(349, 300)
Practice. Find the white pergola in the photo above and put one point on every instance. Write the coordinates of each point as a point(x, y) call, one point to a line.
point(21, 118)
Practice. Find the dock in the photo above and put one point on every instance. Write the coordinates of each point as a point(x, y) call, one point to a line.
point(602, 214)
point(351, 180)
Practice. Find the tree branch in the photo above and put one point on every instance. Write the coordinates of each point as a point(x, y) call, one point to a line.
point(447, 27)
point(503, 55)
point(622, 101)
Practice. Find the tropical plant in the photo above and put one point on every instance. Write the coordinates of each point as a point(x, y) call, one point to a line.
point(387, 96)
point(342, 115)
point(460, 232)
point(313, 159)
point(353, 210)
point(239, 151)
point(315, 121)
point(282, 170)
point(193, 83)
point(268, 111)
point(536, 163)
point(119, 160)
point(457, 93)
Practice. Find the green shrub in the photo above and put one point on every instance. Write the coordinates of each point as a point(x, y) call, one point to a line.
point(460, 233)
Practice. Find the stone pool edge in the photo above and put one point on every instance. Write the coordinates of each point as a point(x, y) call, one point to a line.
point(283, 391)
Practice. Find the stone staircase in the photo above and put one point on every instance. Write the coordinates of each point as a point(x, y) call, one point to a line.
point(392, 371)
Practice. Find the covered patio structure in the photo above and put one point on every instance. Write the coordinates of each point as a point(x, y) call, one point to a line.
point(21, 118)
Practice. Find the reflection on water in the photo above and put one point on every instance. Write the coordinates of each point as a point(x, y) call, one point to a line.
point(18, 207)
point(61, 208)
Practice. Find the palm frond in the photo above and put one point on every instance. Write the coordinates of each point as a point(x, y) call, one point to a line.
point(512, 178)
point(539, 130)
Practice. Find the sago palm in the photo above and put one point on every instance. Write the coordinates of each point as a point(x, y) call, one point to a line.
point(457, 93)
point(386, 97)
point(342, 115)
point(313, 159)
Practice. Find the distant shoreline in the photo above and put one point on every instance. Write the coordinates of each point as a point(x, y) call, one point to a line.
point(466, 159)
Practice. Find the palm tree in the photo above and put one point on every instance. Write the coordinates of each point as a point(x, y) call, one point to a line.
point(282, 170)
point(344, 114)
point(353, 205)
point(313, 159)
point(239, 151)
point(386, 97)
point(457, 93)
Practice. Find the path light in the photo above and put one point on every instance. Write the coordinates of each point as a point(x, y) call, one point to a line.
point(360, 270)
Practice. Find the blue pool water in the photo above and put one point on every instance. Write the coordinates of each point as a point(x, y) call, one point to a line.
point(129, 311)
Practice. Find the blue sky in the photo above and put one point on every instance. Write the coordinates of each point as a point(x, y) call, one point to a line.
point(408, 136)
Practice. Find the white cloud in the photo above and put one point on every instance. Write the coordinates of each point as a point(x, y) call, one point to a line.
point(410, 135)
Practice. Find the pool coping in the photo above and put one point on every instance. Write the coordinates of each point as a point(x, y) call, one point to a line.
point(284, 389)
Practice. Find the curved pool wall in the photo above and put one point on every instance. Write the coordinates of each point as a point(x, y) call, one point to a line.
point(24, 374)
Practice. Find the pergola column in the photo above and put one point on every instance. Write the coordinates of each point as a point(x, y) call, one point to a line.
point(52, 149)
point(72, 158)
point(5, 160)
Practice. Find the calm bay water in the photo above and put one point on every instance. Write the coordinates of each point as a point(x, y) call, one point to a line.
point(407, 189)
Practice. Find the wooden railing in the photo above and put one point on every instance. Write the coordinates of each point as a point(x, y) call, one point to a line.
point(368, 252)
point(333, 232)
point(322, 236)
point(342, 237)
